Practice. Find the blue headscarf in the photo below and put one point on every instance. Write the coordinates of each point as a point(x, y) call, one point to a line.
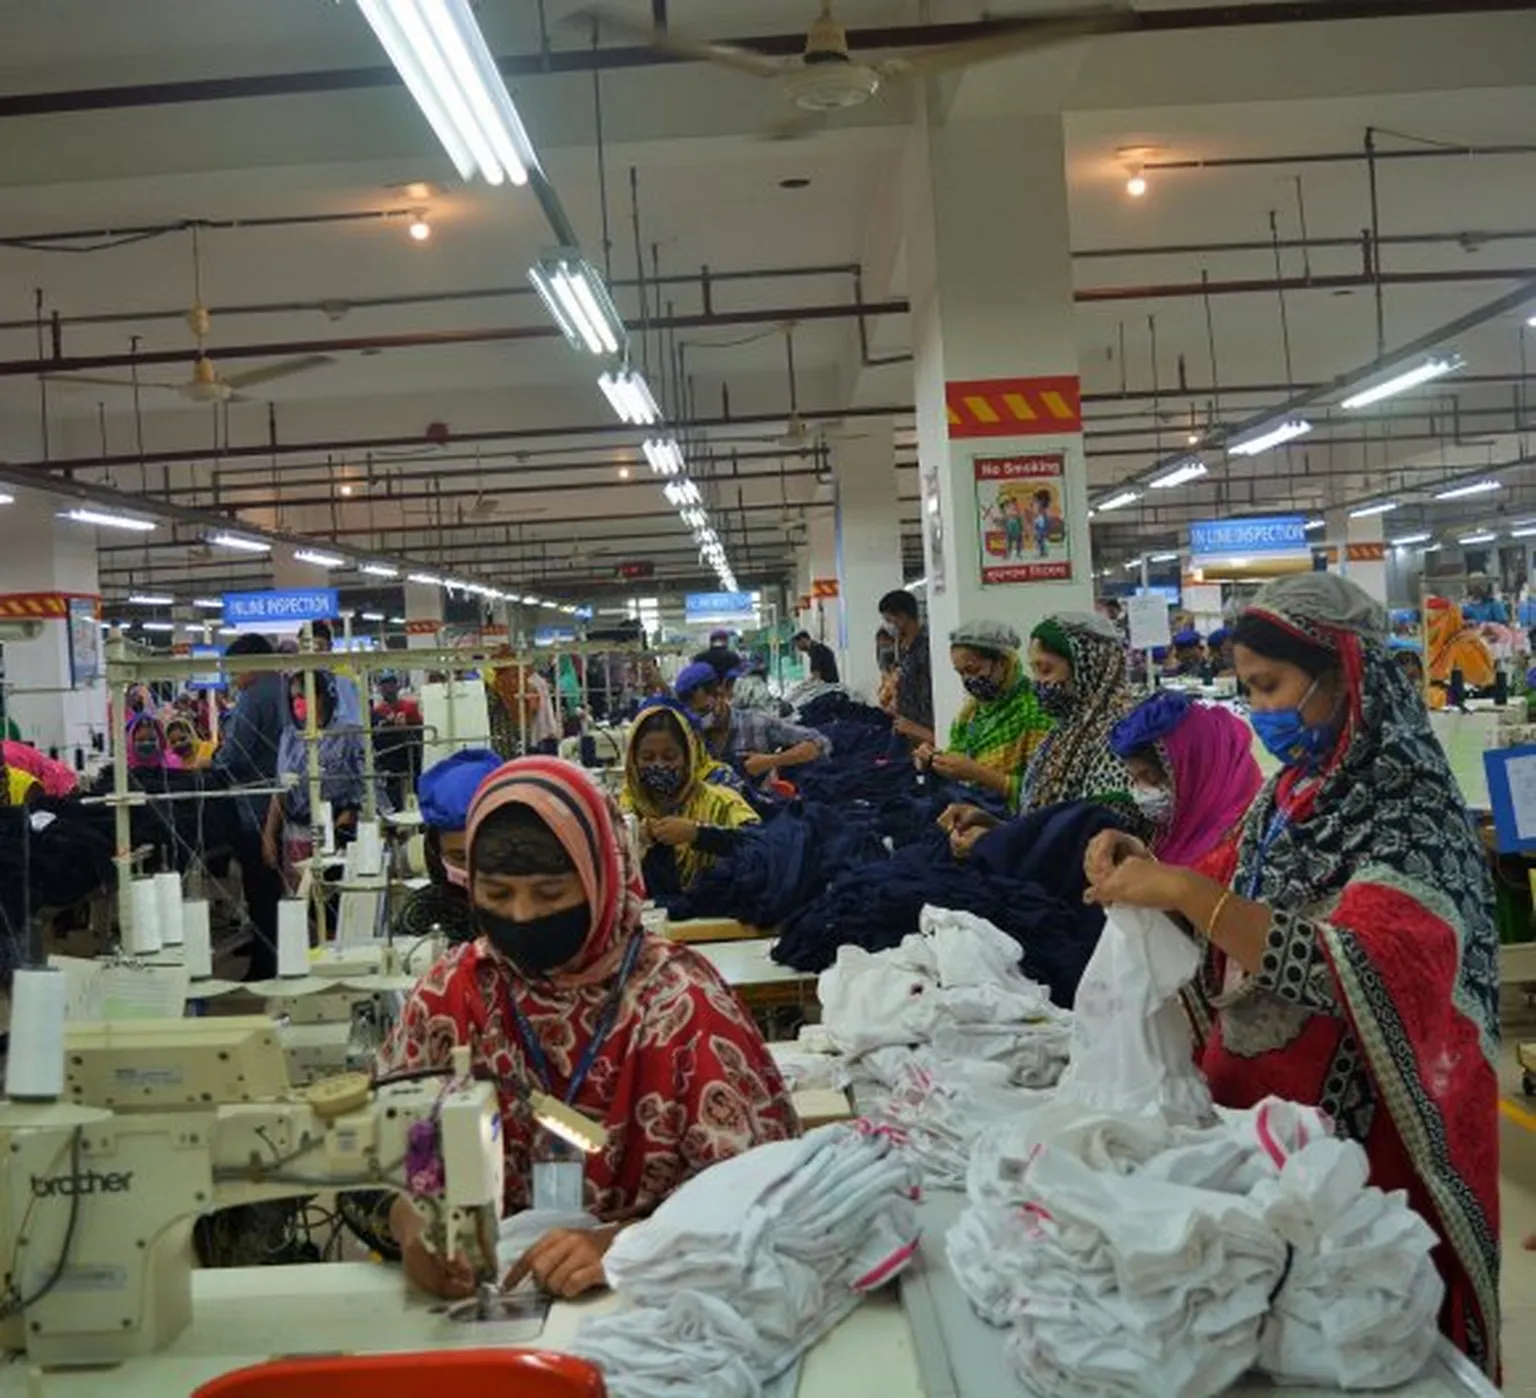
point(447, 787)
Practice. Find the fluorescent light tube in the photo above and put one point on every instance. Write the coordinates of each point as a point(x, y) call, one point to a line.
point(157, 625)
point(425, 579)
point(1268, 437)
point(1485, 537)
point(1408, 540)
point(1460, 492)
point(629, 396)
point(1132, 565)
point(1365, 511)
point(151, 599)
point(370, 616)
point(208, 604)
point(1115, 502)
point(1312, 525)
point(397, 621)
point(529, 601)
point(574, 294)
point(1163, 558)
point(378, 570)
point(318, 559)
point(444, 61)
point(681, 492)
point(1432, 368)
point(1182, 474)
point(1522, 533)
point(7, 499)
point(106, 520)
point(664, 454)
point(239, 543)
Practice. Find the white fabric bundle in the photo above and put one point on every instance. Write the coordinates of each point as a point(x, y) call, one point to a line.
point(750, 1263)
point(1131, 1045)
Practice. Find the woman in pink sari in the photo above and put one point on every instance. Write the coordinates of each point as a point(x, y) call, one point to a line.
point(1194, 772)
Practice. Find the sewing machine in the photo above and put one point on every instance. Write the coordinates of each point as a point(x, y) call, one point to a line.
point(165, 1120)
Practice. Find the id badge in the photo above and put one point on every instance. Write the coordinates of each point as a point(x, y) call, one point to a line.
point(557, 1178)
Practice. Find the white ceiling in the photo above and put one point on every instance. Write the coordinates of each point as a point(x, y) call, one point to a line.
point(711, 195)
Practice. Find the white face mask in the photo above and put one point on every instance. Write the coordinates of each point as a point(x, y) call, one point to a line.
point(1154, 802)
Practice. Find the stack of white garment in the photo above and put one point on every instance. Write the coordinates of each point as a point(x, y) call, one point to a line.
point(955, 987)
point(751, 1262)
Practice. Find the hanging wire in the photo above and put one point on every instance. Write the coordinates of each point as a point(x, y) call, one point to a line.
point(602, 155)
point(1285, 322)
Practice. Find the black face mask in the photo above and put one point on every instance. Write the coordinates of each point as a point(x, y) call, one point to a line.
point(540, 945)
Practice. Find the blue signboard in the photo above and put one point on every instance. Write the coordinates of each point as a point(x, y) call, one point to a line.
point(1242, 538)
point(713, 608)
point(280, 609)
point(1169, 594)
point(553, 635)
point(214, 679)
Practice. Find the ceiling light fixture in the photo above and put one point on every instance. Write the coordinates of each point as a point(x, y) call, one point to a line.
point(424, 579)
point(1136, 185)
point(1269, 436)
point(1432, 368)
point(1163, 558)
point(420, 230)
point(104, 519)
point(1366, 511)
point(629, 396)
point(665, 456)
point(1460, 492)
point(443, 59)
point(239, 543)
point(1182, 474)
point(1409, 540)
point(1116, 502)
point(7, 499)
point(346, 490)
point(157, 625)
point(209, 604)
point(397, 621)
point(370, 616)
point(319, 559)
point(151, 599)
point(1313, 525)
point(574, 294)
point(1132, 564)
point(681, 492)
point(1523, 533)
point(1486, 536)
point(623, 473)
point(378, 570)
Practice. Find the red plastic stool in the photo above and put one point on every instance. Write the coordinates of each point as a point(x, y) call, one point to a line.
point(466, 1373)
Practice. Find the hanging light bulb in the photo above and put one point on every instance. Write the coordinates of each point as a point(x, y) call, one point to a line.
point(1136, 185)
point(420, 230)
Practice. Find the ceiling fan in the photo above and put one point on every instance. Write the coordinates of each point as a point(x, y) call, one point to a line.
point(207, 384)
point(830, 77)
point(798, 435)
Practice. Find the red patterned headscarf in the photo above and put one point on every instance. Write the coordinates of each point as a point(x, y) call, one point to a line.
point(591, 831)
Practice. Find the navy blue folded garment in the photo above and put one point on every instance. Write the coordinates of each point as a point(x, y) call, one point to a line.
point(1026, 878)
point(837, 707)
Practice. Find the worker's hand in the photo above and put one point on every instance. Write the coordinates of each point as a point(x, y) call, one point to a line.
point(957, 768)
point(452, 1279)
point(907, 728)
point(566, 1262)
point(673, 830)
point(962, 841)
point(757, 763)
point(1141, 882)
point(270, 855)
point(1107, 849)
point(922, 757)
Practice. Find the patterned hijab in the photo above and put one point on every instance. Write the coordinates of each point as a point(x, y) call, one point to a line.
point(1386, 798)
point(1075, 762)
point(589, 829)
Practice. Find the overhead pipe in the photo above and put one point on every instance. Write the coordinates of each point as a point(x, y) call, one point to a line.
point(584, 60)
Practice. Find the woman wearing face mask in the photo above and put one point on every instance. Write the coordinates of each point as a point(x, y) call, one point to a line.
point(687, 821)
point(444, 792)
point(1352, 962)
point(564, 990)
point(1002, 723)
point(1194, 771)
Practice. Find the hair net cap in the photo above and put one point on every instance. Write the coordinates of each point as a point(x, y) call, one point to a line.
point(695, 676)
point(1187, 637)
point(986, 635)
point(447, 788)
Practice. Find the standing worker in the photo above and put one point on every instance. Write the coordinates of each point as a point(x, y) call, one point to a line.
point(910, 699)
point(820, 660)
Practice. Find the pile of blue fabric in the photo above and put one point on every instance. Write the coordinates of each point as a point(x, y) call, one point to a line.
point(1026, 877)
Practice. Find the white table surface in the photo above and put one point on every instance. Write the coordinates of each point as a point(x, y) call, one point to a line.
point(746, 964)
point(244, 1316)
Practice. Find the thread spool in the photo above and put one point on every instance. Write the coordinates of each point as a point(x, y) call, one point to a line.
point(34, 1066)
point(198, 940)
point(292, 938)
point(142, 935)
point(168, 905)
point(370, 848)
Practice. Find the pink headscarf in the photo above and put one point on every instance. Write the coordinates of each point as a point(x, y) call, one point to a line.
point(1209, 756)
point(56, 779)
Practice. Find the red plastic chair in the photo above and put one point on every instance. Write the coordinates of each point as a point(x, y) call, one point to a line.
point(468, 1373)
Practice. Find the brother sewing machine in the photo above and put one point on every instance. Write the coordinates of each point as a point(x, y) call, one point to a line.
point(162, 1121)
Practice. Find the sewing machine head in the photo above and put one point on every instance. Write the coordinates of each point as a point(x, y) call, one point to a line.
point(166, 1120)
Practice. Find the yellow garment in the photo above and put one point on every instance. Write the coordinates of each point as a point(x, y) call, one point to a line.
point(1453, 645)
point(701, 800)
point(18, 786)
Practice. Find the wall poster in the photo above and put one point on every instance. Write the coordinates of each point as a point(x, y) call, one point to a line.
point(1021, 520)
point(933, 532)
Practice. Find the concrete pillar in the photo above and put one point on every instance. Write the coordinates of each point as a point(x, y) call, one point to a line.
point(868, 545)
point(825, 620)
point(50, 557)
point(424, 605)
point(995, 340)
point(1365, 539)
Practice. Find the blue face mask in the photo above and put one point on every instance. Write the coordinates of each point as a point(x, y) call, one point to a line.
point(660, 780)
point(1289, 738)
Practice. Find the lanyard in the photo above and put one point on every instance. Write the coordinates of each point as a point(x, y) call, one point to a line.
point(1277, 823)
point(535, 1050)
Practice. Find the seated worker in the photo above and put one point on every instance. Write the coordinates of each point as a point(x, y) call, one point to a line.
point(564, 989)
point(753, 742)
point(56, 779)
point(1188, 653)
point(445, 791)
point(1482, 608)
point(1218, 651)
point(821, 663)
point(1194, 770)
point(687, 821)
point(1453, 645)
point(17, 788)
point(1002, 723)
point(185, 749)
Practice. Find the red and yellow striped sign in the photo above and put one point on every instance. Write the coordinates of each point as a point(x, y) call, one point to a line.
point(804, 604)
point(47, 605)
point(1365, 553)
point(1014, 407)
point(824, 587)
point(422, 628)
